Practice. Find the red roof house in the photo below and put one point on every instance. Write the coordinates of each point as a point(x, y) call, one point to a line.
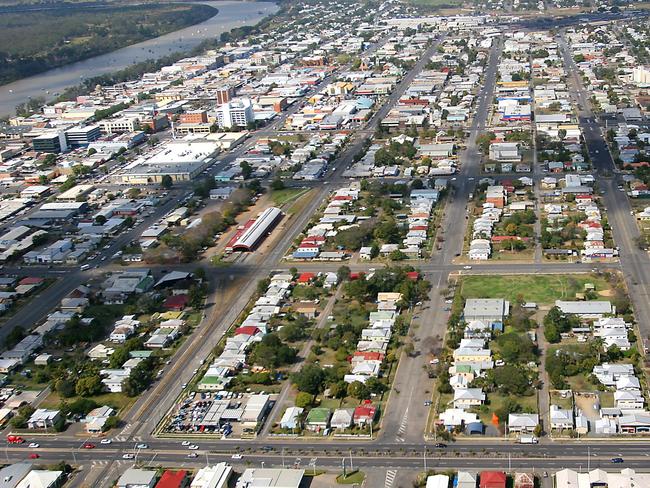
point(171, 479)
point(176, 302)
point(492, 479)
point(31, 280)
point(250, 330)
point(364, 414)
point(369, 355)
point(524, 480)
point(306, 277)
point(413, 275)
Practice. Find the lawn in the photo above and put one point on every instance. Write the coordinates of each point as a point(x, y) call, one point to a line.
point(286, 195)
point(542, 289)
point(354, 478)
point(119, 401)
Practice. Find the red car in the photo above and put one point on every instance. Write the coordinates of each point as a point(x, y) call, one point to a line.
point(34, 456)
point(89, 445)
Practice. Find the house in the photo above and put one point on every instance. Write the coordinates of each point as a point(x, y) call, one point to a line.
point(137, 478)
point(341, 419)
point(492, 479)
point(465, 479)
point(522, 422)
point(524, 480)
point(291, 419)
point(364, 414)
point(43, 418)
point(318, 419)
point(468, 397)
point(173, 479)
point(561, 418)
point(176, 302)
point(438, 481)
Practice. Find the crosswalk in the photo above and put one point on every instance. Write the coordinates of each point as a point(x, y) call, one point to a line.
point(402, 427)
point(390, 478)
point(124, 438)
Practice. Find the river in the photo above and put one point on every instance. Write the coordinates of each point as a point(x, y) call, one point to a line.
point(231, 14)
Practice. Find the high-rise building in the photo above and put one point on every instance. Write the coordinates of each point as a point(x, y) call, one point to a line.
point(238, 112)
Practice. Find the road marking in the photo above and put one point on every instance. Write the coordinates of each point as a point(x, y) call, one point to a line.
point(390, 478)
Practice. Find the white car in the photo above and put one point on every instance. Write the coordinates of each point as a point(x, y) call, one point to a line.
point(128, 456)
point(192, 455)
point(105, 441)
point(185, 443)
point(34, 445)
point(467, 267)
point(142, 446)
point(236, 456)
point(193, 447)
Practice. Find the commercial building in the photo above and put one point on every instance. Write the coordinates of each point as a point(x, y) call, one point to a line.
point(83, 136)
point(238, 112)
point(486, 309)
point(137, 478)
point(216, 476)
point(270, 478)
point(50, 142)
point(180, 160)
point(253, 233)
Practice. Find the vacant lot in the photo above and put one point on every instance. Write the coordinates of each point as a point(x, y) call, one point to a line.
point(542, 289)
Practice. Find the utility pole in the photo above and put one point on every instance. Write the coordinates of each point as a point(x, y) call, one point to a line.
point(424, 456)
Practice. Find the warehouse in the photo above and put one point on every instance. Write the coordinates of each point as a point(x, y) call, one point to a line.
point(254, 232)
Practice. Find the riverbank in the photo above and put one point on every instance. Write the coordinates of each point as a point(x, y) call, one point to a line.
point(231, 14)
point(45, 40)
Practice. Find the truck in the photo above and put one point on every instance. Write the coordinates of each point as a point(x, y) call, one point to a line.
point(15, 439)
point(528, 439)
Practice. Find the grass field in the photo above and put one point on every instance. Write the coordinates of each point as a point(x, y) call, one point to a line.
point(542, 289)
point(354, 478)
point(286, 195)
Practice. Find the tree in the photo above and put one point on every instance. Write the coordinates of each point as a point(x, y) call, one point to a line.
point(65, 388)
point(16, 335)
point(100, 220)
point(343, 273)
point(246, 169)
point(358, 390)
point(309, 379)
point(111, 423)
point(166, 182)
point(277, 184)
point(417, 184)
point(89, 386)
point(304, 400)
